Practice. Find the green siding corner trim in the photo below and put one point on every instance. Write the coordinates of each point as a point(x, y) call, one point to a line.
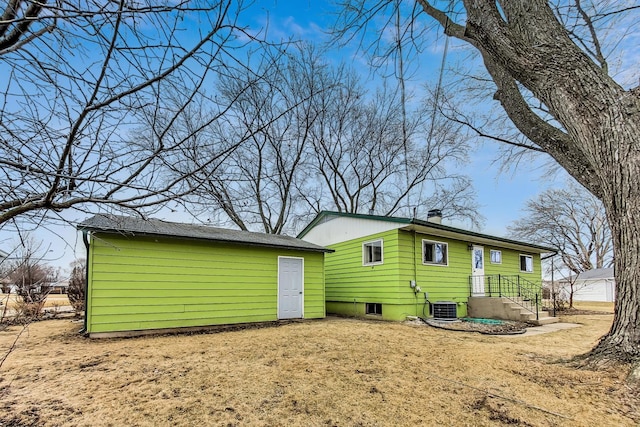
point(142, 283)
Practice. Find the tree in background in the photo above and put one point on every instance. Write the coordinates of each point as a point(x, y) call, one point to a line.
point(77, 285)
point(573, 221)
point(370, 157)
point(5, 283)
point(271, 116)
point(31, 278)
point(314, 138)
point(548, 65)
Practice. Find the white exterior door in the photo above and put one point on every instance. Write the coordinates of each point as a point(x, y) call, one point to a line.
point(290, 287)
point(477, 271)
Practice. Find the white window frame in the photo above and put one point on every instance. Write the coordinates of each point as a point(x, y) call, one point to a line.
point(520, 263)
point(491, 252)
point(364, 253)
point(434, 242)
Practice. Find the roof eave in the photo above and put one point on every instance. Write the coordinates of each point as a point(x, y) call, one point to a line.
point(481, 238)
point(82, 227)
point(410, 223)
point(322, 214)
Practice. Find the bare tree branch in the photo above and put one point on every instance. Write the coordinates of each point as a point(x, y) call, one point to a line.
point(67, 126)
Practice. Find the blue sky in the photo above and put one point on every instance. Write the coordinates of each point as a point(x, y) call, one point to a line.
point(501, 196)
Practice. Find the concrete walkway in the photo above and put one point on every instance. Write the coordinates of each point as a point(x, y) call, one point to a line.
point(544, 329)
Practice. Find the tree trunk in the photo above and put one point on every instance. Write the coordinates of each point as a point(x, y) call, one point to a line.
point(622, 342)
point(598, 143)
point(523, 43)
point(572, 288)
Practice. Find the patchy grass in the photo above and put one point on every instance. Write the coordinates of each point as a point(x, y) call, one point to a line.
point(606, 307)
point(333, 372)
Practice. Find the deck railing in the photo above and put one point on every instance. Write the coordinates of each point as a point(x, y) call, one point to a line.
point(517, 289)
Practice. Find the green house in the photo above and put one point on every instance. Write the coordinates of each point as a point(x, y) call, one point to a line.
point(151, 275)
point(391, 268)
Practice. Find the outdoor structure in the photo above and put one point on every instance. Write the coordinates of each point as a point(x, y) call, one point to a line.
point(152, 275)
point(391, 268)
point(597, 285)
point(60, 287)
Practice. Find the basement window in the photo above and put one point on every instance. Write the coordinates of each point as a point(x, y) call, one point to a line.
point(526, 263)
point(434, 253)
point(373, 308)
point(372, 252)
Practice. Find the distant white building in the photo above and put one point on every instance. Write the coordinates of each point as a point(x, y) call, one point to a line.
point(60, 287)
point(593, 285)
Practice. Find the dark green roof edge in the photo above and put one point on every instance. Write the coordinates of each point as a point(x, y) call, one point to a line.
point(423, 223)
point(480, 235)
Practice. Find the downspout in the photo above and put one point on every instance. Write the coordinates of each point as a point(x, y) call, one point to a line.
point(415, 278)
point(85, 239)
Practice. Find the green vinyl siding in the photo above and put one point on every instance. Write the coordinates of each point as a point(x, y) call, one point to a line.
point(511, 267)
point(153, 283)
point(441, 282)
point(348, 280)
point(511, 264)
point(350, 284)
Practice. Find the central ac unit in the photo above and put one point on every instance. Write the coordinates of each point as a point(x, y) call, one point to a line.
point(445, 310)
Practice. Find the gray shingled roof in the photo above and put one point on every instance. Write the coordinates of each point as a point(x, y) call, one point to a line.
point(137, 226)
point(596, 274)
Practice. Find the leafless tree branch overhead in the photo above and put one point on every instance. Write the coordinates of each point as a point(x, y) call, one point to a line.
point(81, 80)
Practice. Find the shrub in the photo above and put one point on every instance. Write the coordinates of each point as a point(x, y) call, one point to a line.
point(77, 285)
point(32, 282)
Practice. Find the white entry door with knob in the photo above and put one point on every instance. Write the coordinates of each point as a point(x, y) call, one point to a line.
point(477, 271)
point(290, 288)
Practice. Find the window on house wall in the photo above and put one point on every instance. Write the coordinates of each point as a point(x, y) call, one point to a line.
point(434, 253)
point(496, 256)
point(373, 308)
point(372, 252)
point(526, 263)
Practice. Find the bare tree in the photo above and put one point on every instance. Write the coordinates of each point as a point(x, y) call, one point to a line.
point(372, 154)
point(572, 220)
point(314, 138)
point(270, 120)
point(31, 277)
point(79, 80)
point(552, 80)
point(5, 283)
point(77, 285)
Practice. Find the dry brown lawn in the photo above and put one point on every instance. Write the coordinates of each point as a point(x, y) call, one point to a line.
point(606, 307)
point(53, 300)
point(331, 372)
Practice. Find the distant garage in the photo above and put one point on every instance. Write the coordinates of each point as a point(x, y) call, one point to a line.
point(598, 285)
point(157, 276)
